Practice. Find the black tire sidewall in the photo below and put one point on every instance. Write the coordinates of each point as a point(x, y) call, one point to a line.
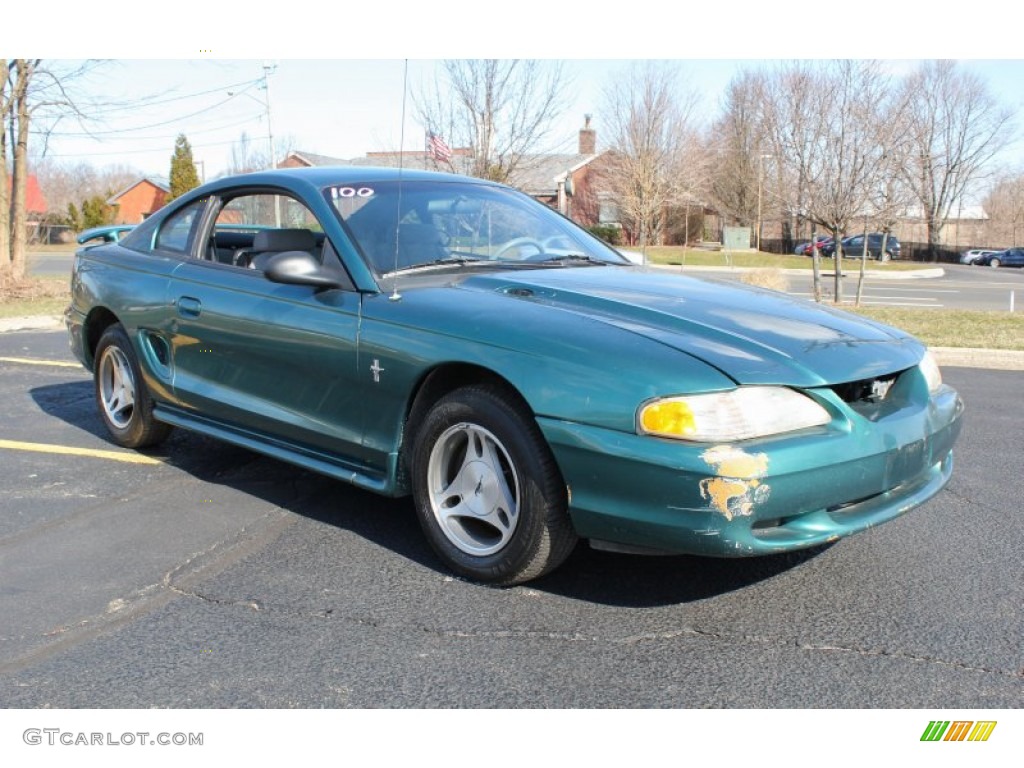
point(542, 493)
point(138, 431)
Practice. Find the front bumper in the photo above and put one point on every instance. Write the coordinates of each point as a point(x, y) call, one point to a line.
point(771, 495)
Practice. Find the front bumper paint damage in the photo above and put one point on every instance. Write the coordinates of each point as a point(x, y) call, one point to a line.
point(638, 493)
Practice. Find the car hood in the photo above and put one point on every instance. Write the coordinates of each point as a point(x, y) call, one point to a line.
point(752, 335)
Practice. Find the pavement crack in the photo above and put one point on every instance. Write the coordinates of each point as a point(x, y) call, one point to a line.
point(908, 656)
point(818, 648)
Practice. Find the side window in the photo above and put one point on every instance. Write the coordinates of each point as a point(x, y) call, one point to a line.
point(176, 232)
point(252, 227)
point(265, 211)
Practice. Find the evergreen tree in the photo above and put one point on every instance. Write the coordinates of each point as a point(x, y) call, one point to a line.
point(96, 212)
point(183, 169)
point(74, 218)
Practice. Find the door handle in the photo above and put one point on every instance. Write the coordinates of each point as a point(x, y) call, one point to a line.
point(189, 307)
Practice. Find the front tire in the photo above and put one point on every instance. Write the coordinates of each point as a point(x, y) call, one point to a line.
point(488, 494)
point(124, 402)
point(995, 263)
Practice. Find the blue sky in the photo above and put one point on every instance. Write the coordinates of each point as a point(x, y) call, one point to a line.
point(337, 85)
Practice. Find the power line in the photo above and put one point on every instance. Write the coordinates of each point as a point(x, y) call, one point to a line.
point(248, 119)
point(179, 118)
point(138, 151)
point(136, 105)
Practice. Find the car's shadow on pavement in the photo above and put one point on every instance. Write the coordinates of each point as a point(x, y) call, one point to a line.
point(645, 582)
point(597, 577)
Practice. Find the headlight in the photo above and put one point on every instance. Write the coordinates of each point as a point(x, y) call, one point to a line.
point(930, 371)
point(739, 414)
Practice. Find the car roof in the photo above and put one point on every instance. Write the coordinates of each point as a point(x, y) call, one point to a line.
point(326, 175)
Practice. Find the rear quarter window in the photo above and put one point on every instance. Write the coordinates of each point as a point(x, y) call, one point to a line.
point(176, 232)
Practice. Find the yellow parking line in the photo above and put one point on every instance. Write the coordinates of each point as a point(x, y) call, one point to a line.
point(131, 458)
point(29, 361)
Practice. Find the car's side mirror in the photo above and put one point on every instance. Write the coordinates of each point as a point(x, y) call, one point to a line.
point(298, 268)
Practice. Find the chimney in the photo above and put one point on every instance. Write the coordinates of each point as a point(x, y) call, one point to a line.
point(588, 138)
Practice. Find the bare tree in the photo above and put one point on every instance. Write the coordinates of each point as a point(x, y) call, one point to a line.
point(1005, 207)
point(793, 98)
point(245, 157)
point(735, 141)
point(19, 115)
point(501, 109)
point(956, 128)
point(6, 102)
point(248, 154)
point(29, 92)
point(656, 157)
point(829, 130)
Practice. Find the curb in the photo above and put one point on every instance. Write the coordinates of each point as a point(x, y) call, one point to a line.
point(966, 357)
point(32, 323)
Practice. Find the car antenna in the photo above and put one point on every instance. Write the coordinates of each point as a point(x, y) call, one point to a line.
point(395, 295)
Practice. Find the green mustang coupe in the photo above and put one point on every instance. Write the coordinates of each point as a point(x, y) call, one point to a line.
point(452, 339)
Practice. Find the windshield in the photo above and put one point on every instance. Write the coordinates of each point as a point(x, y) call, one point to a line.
point(418, 224)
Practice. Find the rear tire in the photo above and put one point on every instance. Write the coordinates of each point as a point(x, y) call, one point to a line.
point(488, 494)
point(124, 402)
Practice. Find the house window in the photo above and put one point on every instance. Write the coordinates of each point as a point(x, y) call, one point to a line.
point(608, 211)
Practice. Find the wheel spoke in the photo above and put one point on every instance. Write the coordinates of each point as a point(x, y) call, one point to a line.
point(117, 387)
point(507, 501)
point(474, 489)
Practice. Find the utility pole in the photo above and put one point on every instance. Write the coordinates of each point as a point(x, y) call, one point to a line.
point(268, 69)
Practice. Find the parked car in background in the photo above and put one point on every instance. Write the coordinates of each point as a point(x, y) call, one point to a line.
point(972, 256)
point(804, 249)
point(455, 340)
point(808, 248)
point(1011, 257)
point(853, 247)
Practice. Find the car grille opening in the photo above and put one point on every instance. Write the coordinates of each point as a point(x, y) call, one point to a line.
point(867, 391)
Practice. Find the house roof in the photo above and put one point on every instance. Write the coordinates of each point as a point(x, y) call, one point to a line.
point(541, 174)
point(316, 160)
point(157, 181)
point(35, 201)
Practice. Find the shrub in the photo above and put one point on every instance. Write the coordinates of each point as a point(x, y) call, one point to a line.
point(607, 232)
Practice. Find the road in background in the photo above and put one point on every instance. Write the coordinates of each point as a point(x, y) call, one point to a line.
point(961, 287)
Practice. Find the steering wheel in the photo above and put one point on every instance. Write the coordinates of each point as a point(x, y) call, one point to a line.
point(558, 241)
point(519, 242)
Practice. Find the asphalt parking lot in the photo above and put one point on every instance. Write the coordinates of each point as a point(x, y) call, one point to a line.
point(203, 575)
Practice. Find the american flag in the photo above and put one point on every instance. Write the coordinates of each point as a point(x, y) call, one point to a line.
point(438, 149)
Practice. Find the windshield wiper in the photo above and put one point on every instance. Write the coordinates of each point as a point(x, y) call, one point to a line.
point(447, 261)
point(576, 258)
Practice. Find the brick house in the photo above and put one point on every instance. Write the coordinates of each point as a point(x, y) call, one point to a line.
point(136, 202)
